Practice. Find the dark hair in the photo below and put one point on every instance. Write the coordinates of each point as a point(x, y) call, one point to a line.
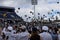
point(3, 36)
point(23, 30)
point(17, 31)
point(16, 26)
point(34, 34)
point(34, 29)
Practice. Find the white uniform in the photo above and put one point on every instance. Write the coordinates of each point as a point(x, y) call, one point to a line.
point(1, 38)
point(13, 37)
point(23, 36)
point(58, 36)
point(13, 31)
point(10, 34)
point(45, 36)
point(4, 30)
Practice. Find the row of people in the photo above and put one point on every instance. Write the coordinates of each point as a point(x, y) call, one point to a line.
point(21, 33)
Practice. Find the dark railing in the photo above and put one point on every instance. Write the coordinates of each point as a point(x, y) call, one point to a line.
point(7, 9)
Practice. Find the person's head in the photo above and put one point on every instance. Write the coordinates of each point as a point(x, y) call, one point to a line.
point(15, 27)
point(34, 29)
point(23, 28)
point(55, 30)
point(45, 28)
point(34, 32)
point(18, 31)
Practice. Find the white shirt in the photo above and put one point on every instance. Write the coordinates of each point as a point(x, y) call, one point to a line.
point(4, 30)
point(58, 36)
point(13, 37)
point(13, 31)
point(45, 36)
point(23, 36)
point(1, 38)
point(11, 34)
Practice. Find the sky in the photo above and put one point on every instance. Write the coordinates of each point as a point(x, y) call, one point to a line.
point(43, 7)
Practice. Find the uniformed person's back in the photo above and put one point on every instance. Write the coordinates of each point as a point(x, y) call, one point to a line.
point(45, 35)
point(24, 35)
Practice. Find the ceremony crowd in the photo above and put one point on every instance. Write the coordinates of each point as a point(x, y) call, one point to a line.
point(30, 32)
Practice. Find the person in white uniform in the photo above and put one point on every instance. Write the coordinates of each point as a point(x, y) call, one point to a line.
point(9, 33)
point(24, 35)
point(45, 35)
point(5, 29)
point(59, 34)
point(12, 36)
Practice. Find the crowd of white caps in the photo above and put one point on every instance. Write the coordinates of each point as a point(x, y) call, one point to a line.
point(12, 33)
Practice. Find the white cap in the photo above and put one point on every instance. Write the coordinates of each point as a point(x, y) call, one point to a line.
point(10, 28)
point(23, 27)
point(45, 28)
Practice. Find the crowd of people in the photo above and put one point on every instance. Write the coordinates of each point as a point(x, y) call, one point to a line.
point(23, 32)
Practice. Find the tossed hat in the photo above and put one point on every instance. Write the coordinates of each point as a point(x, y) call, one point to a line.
point(45, 28)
